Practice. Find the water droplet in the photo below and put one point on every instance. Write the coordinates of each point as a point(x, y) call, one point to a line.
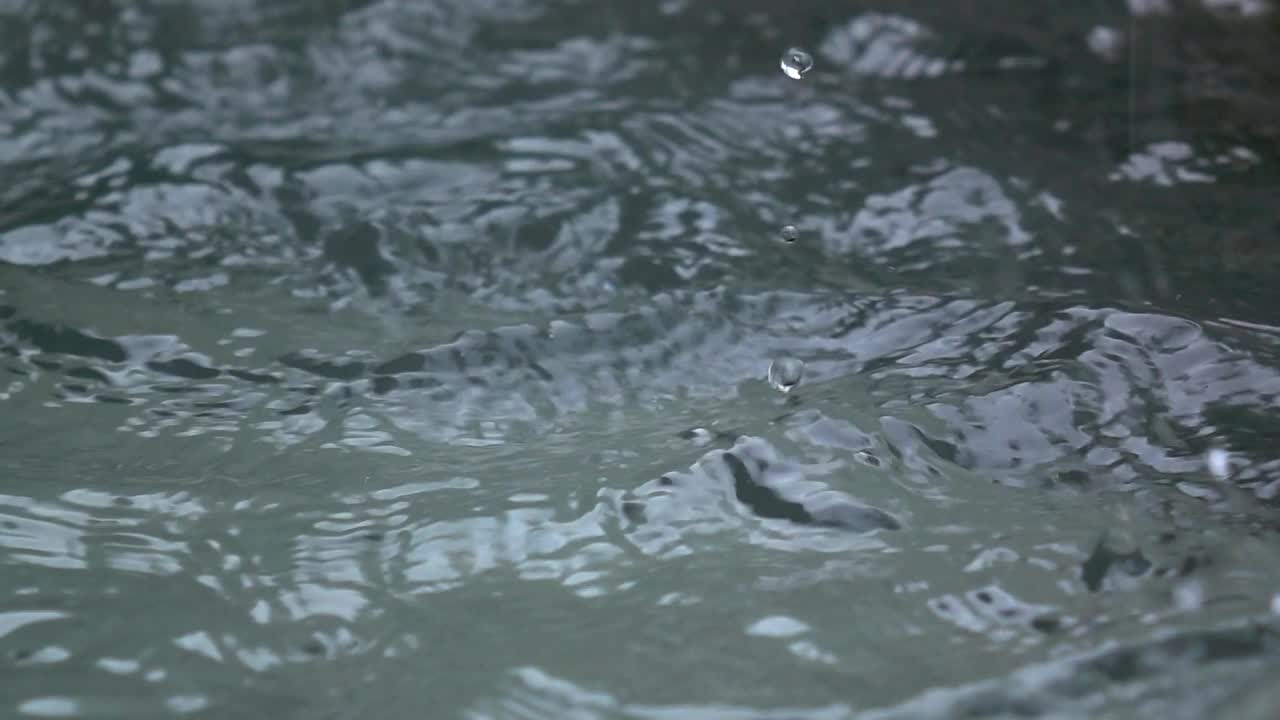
point(1219, 463)
point(796, 62)
point(699, 436)
point(785, 373)
point(867, 457)
point(790, 233)
point(1189, 596)
point(779, 626)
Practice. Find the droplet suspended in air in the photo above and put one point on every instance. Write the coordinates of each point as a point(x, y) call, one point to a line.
point(1189, 596)
point(785, 373)
point(790, 233)
point(796, 62)
point(1219, 463)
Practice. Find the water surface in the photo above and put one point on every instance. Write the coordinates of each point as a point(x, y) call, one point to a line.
point(411, 359)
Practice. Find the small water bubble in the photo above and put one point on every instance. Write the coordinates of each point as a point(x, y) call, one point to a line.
point(796, 62)
point(785, 373)
point(790, 233)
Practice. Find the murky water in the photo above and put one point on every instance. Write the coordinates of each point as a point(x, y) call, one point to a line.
point(403, 359)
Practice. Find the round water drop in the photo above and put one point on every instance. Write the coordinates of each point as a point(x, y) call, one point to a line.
point(796, 62)
point(790, 233)
point(1189, 596)
point(785, 373)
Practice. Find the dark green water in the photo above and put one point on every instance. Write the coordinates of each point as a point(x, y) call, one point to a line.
point(409, 360)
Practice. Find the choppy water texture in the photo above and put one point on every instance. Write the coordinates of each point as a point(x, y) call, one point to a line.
point(402, 359)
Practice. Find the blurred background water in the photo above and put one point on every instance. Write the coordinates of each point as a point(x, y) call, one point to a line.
point(411, 359)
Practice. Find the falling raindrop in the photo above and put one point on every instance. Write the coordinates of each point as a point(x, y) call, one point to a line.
point(1219, 463)
point(785, 373)
point(790, 233)
point(1189, 596)
point(796, 62)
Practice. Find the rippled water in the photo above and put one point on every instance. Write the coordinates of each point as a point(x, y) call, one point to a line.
point(400, 359)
